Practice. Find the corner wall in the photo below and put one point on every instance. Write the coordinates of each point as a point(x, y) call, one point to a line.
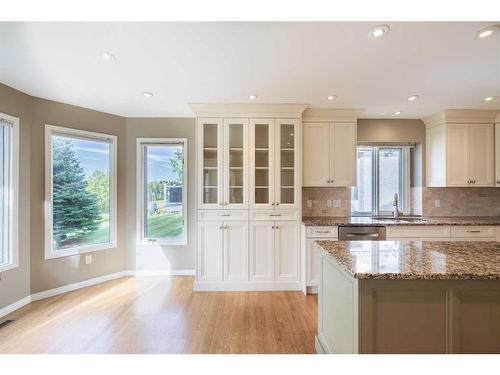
point(155, 257)
point(15, 283)
point(53, 273)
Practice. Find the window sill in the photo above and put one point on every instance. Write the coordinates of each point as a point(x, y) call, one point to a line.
point(8, 267)
point(177, 242)
point(78, 250)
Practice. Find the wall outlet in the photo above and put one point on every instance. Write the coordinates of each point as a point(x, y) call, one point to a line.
point(309, 203)
point(329, 203)
point(88, 259)
point(336, 203)
point(437, 203)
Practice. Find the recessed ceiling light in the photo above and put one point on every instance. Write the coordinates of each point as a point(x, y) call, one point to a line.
point(489, 98)
point(484, 33)
point(147, 94)
point(332, 97)
point(252, 97)
point(107, 56)
point(413, 97)
point(378, 31)
point(397, 112)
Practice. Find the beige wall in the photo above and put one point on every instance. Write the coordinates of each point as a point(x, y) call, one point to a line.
point(159, 257)
point(398, 130)
point(48, 274)
point(15, 283)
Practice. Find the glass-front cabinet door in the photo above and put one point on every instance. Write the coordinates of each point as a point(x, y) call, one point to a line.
point(262, 163)
point(235, 163)
point(286, 150)
point(210, 139)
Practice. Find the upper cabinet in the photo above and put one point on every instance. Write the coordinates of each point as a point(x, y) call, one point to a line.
point(497, 151)
point(247, 159)
point(274, 161)
point(460, 149)
point(329, 147)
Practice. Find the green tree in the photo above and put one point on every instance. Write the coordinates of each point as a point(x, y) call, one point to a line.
point(176, 161)
point(75, 210)
point(98, 184)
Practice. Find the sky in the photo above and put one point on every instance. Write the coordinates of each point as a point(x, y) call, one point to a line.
point(159, 168)
point(92, 155)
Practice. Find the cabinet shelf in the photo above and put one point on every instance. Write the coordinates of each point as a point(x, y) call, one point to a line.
point(236, 168)
point(209, 187)
point(262, 187)
point(235, 148)
point(288, 149)
point(236, 187)
point(210, 148)
point(262, 149)
point(288, 168)
point(287, 187)
point(210, 168)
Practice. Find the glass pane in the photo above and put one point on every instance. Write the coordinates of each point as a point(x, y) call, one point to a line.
point(210, 163)
point(236, 163)
point(389, 177)
point(163, 177)
point(4, 192)
point(287, 157)
point(81, 191)
point(261, 163)
point(362, 192)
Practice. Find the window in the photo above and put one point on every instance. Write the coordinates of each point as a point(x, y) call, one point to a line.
point(162, 183)
point(381, 172)
point(80, 191)
point(9, 167)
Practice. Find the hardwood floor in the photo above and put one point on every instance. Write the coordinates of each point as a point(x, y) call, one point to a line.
point(163, 315)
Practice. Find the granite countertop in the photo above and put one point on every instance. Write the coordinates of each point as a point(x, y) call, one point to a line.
point(401, 260)
point(444, 220)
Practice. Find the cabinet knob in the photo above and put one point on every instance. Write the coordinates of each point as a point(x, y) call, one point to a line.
point(498, 181)
point(277, 204)
point(277, 227)
point(273, 203)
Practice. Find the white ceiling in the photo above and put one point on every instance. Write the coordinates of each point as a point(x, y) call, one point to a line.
point(226, 62)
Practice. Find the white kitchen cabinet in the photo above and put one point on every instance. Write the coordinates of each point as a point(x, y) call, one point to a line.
point(287, 251)
point(222, 251)
point(223, 163)
point(274, 251)
point(460, 155)
point(210, 250)
point(235, 251)
point(497, 153)
point(313, 234)
point(262, 251)
point(274, 164)
point(329, 154)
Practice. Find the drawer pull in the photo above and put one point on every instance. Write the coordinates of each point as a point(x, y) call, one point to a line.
point(224, 214)
point(275, 215)
point(473, 231)
point(322, 231)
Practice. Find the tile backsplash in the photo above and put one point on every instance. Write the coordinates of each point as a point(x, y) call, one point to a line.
point(322, 197)
point(461, 201)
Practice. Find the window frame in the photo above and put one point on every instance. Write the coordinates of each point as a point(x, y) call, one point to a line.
point(12, 251)
point(140, 205)
point(51, 130)
point(404, 180)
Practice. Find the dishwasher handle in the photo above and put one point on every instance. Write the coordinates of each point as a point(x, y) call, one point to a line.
point(373, 235)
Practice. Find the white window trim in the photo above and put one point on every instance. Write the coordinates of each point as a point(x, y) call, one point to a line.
point(13, 252)
point(141, 240)
point(405, 181)
point(50, 253)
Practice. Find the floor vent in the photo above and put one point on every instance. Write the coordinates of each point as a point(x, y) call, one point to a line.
point(6, 323)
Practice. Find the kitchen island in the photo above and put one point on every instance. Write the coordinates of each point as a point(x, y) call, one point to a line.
point(409, 297)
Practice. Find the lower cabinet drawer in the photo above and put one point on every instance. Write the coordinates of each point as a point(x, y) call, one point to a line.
point(222, 215)
point(267, 215)
point(473, 232)
point(322, 232)
point(423, 232)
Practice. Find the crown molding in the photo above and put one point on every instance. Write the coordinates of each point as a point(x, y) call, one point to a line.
point(285, 110)
point(462, 116)
point(331, 114)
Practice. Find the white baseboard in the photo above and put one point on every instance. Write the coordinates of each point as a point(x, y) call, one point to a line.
point(160, 273)
point(14, 306)
point(247, 286)
point(78, 285)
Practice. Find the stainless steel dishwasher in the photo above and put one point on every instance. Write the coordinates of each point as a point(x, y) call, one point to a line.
point(361, 233)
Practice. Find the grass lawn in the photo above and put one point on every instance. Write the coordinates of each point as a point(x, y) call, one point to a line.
point(164, 225)
point(99, 236)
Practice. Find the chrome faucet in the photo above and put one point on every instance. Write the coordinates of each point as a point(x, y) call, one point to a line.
point(395, 212)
